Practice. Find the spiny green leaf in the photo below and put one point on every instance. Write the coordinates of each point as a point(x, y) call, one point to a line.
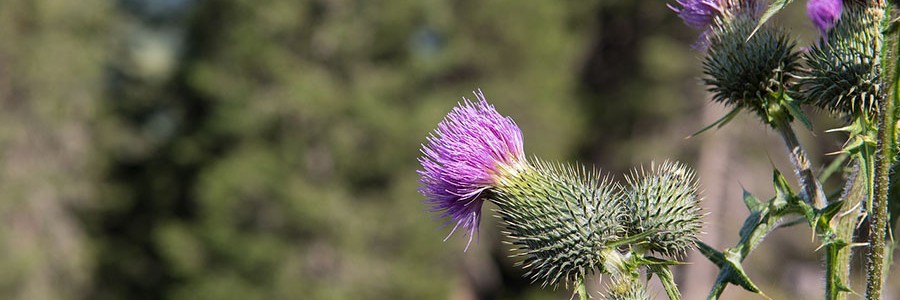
point(720, 122)
point(808, 211)
point(751, 223)
point(738, 275)
point(712, 254)
point(792, 222)
point(776, 6)
point(828, 212)
point(752, 202)
point(794, 108)
point(783, 193)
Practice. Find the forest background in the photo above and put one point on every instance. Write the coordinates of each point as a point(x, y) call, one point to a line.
point(238, 149)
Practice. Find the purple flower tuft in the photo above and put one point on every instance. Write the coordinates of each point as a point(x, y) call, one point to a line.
point(824, 13)
point(698, 14)
point(472, 149)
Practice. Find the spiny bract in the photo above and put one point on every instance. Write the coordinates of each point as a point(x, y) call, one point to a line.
point(626, 288)
point(742, 70)
point(664, 201)
point(843, 73)
point(561, 219)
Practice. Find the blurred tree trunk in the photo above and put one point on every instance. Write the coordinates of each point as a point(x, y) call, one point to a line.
point(696, 278)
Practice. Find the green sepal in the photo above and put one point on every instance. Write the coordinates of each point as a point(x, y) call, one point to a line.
point(667, 280)
point(720, 122)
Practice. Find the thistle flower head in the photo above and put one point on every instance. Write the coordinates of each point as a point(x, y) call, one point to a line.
point(562, 220)
point(824, 13)
point(626, 288)
point(741, 69)
point(698, 14)
point(472, 150)
point(664, 200)
point(844, 73)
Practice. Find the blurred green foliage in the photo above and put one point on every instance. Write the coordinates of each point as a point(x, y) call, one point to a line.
point(240, 149)
point(276, 158)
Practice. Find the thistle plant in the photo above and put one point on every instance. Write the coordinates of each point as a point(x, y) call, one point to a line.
point(751, 64)
point(567, 223)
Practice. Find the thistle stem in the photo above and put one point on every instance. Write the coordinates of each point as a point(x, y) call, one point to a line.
point(812, 189)
point(837, 257)
point(581, 290)
point(878, 223)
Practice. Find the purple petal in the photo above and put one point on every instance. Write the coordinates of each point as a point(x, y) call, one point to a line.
point(698, 14)
point(464, 156)
point(824, 13)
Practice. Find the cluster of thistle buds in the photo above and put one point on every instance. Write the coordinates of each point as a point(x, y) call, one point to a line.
point(754, 65)
point(565, 222)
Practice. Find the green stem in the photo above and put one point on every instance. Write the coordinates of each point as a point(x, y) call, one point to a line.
point(581, 290)
point(837, 255)
point(883, 156)
point(878, 222)
point(812, 189)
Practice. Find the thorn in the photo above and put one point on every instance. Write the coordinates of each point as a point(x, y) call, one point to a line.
point(837, 152)
point(842, 214)
point(858, 245)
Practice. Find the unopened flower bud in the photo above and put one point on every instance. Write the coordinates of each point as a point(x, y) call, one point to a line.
point(626, 288)
point(562, 220)
point(844, 73)
point(665, 201)
point(743, 68)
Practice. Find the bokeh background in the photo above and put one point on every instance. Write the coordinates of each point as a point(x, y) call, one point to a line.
point(244, 149)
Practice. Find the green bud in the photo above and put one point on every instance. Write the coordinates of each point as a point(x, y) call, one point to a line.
point(844, 71)
point(665, 201)
point(742, 69)
point(562, 220)
point(626, 288)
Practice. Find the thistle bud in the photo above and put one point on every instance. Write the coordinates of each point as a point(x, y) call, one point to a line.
point(562, 220)
point(743, 68)
point(626, 288)
point(843, 73)
point(665, 201)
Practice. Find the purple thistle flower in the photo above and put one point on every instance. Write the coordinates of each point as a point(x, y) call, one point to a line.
point(472, 149)
point(698, 14)
point(824, 13)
